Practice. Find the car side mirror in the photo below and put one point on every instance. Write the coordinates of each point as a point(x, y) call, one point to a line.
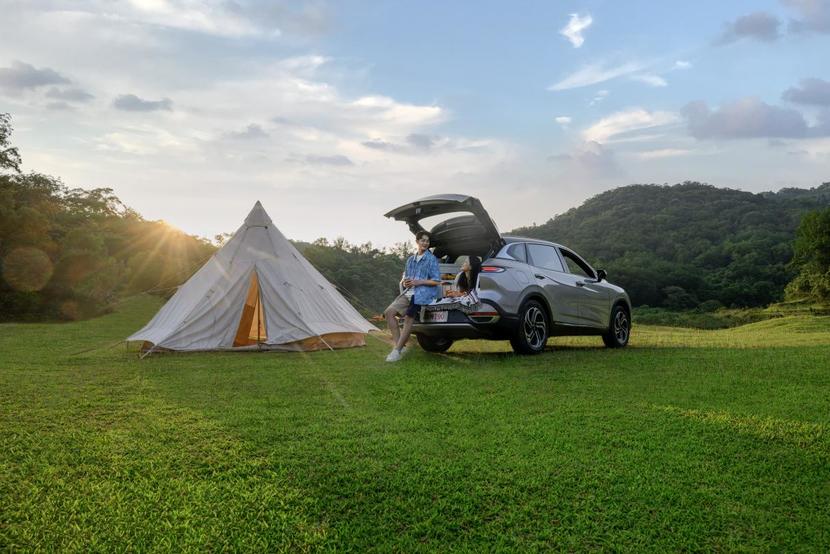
point(601, 275)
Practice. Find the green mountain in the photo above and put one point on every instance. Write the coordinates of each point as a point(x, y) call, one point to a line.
point(679, 246)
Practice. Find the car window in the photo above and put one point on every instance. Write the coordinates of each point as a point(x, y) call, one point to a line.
point(517, 252)
point(544, 257)
point(575, 265)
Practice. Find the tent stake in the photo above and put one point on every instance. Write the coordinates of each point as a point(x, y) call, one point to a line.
point(324, 342)
point(142, 356)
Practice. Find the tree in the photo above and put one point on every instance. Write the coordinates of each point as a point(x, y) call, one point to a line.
point(812, 258)
point(676, 298)
point(9, 156)
point(366, 276)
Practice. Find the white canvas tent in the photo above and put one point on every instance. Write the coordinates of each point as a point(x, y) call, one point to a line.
point(257, 292)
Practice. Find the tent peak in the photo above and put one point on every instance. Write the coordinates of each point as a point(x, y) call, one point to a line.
point(258, 217)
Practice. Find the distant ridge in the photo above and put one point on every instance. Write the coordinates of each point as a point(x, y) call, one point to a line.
point(681, 245)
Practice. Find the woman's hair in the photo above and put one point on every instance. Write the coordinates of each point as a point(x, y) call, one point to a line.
point(420, 234)
point(475, 268)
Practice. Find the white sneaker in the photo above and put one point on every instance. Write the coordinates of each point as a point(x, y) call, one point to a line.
point(394, 356)
point(404, 350)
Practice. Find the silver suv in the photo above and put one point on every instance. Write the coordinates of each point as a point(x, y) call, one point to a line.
point(529, 289)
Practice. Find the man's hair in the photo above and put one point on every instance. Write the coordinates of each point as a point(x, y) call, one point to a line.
point(421, 234)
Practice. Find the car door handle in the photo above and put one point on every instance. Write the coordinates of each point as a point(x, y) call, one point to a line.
point(539, 276)
point(580, 284)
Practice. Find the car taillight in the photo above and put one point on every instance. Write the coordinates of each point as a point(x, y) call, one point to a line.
point(489, 316)
point(491, 269)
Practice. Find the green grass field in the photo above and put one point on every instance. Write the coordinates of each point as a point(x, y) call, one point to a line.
point(687, 440)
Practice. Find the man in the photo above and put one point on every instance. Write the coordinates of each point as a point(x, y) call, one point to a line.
point(422, 280)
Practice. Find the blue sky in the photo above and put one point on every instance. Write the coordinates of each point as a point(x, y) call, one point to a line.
point(331, 113)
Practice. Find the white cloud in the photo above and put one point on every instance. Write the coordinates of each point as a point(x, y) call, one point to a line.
point(252, 132)
point(132, 103)
point(818, 149)
point(223, 18)
point(595, 73)
point(69, 94)
point(587, 164)
point(146, 140)
point(563, 121)
point(811, 91)
point(303, 66)
point(641, 136)
point(573, 30)
point(335, 160)
point(416, 144)
point(815, 15)
point(650, 79)
point(662, 153)
point(627, 122)
point(760, 26)
point(682, 64)
point(395, 113)
point(22, 76)
point(598, 97)
point(747, 118)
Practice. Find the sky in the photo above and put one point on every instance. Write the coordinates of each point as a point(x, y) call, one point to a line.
point(333, 113)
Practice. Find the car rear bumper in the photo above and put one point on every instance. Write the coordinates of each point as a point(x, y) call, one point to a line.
point(500, 329)
point(451, 330)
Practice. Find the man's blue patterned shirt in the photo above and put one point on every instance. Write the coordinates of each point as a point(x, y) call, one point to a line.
point(427, 268)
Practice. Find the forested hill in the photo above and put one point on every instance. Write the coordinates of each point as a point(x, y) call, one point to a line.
point(682, 245)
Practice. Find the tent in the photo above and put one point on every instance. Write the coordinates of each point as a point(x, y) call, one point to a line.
point(257, 292)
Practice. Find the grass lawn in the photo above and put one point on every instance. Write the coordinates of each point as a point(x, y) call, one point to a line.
point(687, 440)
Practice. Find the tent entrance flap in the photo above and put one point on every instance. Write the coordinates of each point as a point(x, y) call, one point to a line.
point(251, 328)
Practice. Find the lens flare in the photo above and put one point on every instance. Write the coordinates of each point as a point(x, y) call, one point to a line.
point(27, 269)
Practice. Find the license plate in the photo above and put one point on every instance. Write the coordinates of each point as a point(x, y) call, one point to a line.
point(436, 317)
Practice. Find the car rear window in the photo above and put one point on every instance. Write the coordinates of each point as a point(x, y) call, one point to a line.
point(517, 252)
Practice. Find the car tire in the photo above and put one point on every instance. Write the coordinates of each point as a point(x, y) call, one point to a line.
point(434, 344)
point(619, 328)
point(532, 332)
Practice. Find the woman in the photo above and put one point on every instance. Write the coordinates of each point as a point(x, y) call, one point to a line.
point(468, 278)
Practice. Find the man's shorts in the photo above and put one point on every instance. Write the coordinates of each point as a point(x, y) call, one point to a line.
point(400, 304)
point(405, 306)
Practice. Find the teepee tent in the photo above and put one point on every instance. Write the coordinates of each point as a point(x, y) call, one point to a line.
point(257, 292)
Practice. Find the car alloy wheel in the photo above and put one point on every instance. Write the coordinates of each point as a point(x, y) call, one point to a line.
point(621, 327)
point(535, 328)
point(619, 330)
